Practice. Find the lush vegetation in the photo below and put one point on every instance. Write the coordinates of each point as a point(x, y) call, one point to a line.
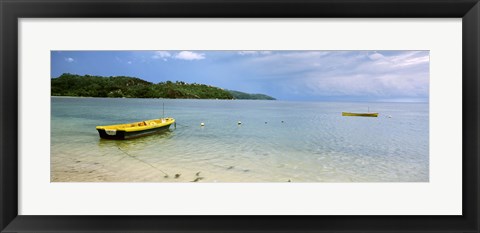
point(243, 95)
point(130, 87)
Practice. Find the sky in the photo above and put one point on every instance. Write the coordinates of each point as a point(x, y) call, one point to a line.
point(385, 76)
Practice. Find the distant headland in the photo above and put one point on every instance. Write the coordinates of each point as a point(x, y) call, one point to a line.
point(130, 87)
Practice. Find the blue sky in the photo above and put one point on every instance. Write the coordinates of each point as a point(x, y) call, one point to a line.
point(286, 75)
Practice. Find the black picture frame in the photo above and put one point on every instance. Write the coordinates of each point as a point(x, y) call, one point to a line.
point(11, 11)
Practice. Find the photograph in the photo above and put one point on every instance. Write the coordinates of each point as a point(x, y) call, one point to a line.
point(239, 116)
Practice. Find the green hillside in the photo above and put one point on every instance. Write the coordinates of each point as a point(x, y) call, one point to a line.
point(130, 87)
point(243, 95)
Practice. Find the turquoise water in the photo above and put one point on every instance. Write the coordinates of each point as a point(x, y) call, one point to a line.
point(278, 141)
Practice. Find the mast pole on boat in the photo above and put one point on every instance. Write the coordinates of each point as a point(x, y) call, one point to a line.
point(163, 110)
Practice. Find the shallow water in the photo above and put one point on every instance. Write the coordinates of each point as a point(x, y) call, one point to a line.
point(278, 141)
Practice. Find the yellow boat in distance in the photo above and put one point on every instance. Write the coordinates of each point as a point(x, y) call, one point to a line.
point(135, 129)
point(369, 114)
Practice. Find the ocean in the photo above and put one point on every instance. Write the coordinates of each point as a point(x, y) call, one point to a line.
point(277, 141)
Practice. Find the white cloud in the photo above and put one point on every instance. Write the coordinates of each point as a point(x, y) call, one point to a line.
point(161, 55)
point(252, 52)
point(189, 56)
point(345, 73)
point(376, 56)
point(69, 59)
point(129, 62)
point(247, 52)
point(411, 59)
point(404, 74)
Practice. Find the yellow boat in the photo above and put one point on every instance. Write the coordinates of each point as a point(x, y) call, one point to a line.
point(135, 129)
point(369, 114)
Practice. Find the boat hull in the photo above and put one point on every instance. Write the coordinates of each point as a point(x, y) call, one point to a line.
point(373, 114)
point(135, 129)
point(122, 135)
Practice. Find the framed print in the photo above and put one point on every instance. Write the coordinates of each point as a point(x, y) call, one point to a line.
point(230, 116)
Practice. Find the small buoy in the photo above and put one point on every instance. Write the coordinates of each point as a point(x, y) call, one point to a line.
point(265, 122)
point(239, 122)
point(202, 124)
point(389, 116)
point(282, 121)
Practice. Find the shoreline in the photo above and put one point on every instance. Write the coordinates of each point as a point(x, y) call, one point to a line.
point(64, 96)
point(275, 100)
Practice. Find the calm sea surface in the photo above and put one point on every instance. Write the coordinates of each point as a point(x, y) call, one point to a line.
point(278, 141)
